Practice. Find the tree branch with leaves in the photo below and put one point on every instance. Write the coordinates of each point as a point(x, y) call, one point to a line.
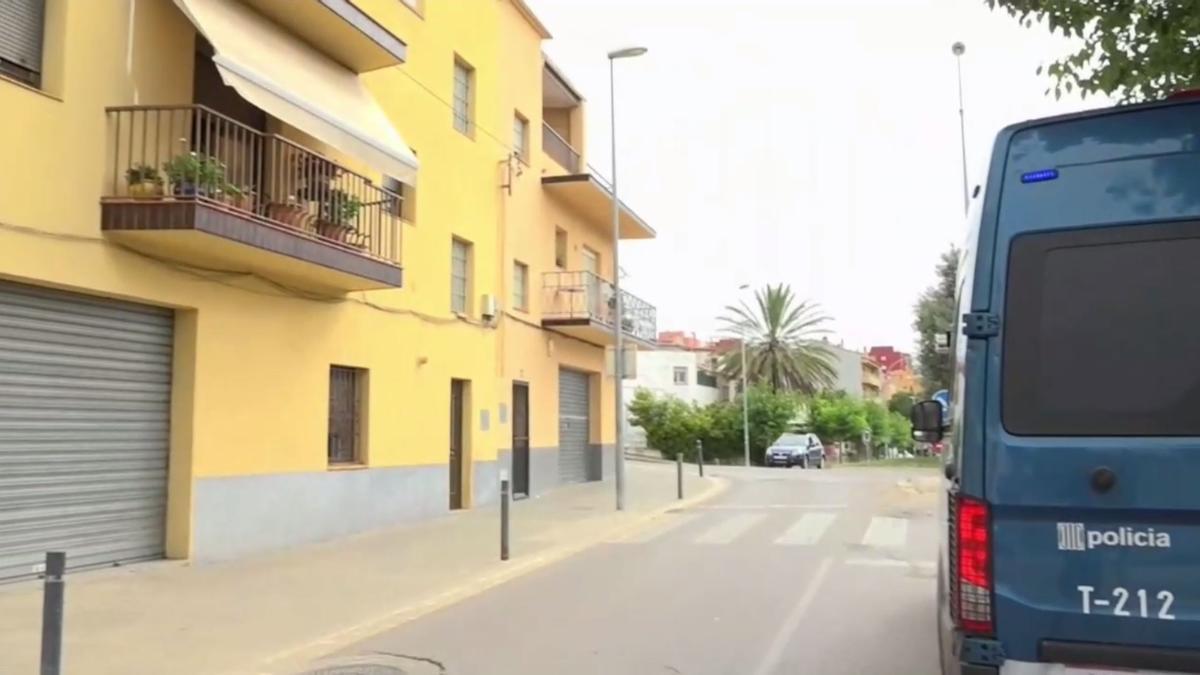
point(1133, 50)
point(783, 349)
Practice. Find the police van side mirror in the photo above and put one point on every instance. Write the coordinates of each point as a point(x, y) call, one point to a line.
point(928, 421)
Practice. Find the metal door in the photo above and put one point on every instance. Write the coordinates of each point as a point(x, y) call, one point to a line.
point(573, 424)
point(85, 392)
point(457, 390)
point(520, 439)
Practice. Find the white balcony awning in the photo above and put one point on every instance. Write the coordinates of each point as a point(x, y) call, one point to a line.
point(276, 71)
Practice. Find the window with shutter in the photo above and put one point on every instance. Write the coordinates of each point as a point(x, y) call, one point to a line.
point(21, 28)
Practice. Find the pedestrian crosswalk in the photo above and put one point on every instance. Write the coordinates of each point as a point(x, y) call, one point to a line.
point(806, 531)
point(730, 528)
point(875, 540)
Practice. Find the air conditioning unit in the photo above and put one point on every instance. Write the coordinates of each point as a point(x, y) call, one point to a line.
point(487, 307)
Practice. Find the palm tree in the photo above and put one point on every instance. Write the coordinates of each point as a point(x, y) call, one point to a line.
point(782, 345)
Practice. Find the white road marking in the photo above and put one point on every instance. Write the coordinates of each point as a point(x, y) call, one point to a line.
point(886, 532)
point(876, 562)
point(787, 629)
point(755, 507)
point(730, 528)
point(919, 566)
point(808, 530)
point(655, 530)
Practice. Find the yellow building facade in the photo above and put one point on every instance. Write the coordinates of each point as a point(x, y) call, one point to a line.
point(277, 271)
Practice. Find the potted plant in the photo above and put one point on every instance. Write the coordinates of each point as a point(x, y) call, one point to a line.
point(144, 181)
point(239, 198)
point(194, 175)
point(337, 215)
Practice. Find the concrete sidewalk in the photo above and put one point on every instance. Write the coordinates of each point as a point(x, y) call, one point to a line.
point(275, 613)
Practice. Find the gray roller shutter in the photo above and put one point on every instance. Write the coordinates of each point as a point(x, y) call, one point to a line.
point(21, 28)
point(573, 406)
point(84, 409)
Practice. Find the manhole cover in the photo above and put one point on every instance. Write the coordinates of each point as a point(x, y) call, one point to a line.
point(378, 664)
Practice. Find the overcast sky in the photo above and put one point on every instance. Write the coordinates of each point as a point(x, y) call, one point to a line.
point(810, 142)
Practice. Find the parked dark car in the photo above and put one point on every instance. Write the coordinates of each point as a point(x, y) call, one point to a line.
point(796, 449)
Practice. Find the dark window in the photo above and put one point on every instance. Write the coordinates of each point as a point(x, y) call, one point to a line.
point(560, 248)
point(401, 204)
point(1100, 332)
point(22, 23)
point(346, 392)
point(705, 379)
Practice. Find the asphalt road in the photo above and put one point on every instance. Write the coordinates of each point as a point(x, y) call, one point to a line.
point(789, 571)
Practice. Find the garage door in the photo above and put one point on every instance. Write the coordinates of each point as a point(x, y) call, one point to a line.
point(573, 406)
point(84, 408)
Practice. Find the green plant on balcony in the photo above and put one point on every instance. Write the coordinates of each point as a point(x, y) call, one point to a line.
point(338, 212)
point(144, 181)
point(237, 197)
point(194, 174)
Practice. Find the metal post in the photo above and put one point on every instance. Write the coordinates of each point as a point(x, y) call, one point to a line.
point(679, 474)
point(700, 456)
point(504, 497)
point(619, 319)
point(745, 405)
point(52, 613)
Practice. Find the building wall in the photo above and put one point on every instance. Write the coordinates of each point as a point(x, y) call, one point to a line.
point(250, 394)
point(530, 217)
point(848, 364)
point(656, 374)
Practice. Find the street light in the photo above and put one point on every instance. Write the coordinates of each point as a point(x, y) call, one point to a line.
point(745, 395)
point(959, 49)
point(619, 320)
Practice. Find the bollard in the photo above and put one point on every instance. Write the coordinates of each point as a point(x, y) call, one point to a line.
point(679, 474)
point(700, 456)
point(52, 613)
point(504, 518)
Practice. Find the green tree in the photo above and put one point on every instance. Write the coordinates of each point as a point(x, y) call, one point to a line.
point(837, 418)
point(877, 422)
point(935, 315)
point(771, 413)
point(782, 349)
point(1131, 49)
point(900, 431)
point(901, 403)
point(671, 426)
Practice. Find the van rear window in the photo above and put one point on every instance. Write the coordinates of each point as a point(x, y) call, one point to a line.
point(1102, 332)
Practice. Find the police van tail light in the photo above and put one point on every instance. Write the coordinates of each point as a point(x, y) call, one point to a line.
point(974, 565)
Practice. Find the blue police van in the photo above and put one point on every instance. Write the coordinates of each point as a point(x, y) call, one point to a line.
point(1071, 539)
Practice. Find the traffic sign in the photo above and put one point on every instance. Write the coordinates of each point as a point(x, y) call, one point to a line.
point(943, 396)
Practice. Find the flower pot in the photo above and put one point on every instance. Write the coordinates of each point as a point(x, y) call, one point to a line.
point(288, 214)
point(188, 189)
point(145, 190)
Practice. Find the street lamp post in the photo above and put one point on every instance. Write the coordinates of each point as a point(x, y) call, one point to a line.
point(619, 319)
point(959, 49)
point(745, 395)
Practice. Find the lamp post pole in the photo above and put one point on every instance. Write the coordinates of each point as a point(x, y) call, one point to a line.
point(619, 318)
point(959, 49)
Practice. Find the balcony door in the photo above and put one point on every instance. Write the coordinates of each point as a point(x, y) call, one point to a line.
point(595, 300)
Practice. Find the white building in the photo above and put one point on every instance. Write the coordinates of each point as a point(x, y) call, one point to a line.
point(688, 375)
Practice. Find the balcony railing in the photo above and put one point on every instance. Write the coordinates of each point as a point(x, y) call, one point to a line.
point(584, 295)
point(559, 149)
point(192, 153)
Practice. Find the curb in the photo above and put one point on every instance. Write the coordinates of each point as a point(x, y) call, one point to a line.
point(295, 660)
